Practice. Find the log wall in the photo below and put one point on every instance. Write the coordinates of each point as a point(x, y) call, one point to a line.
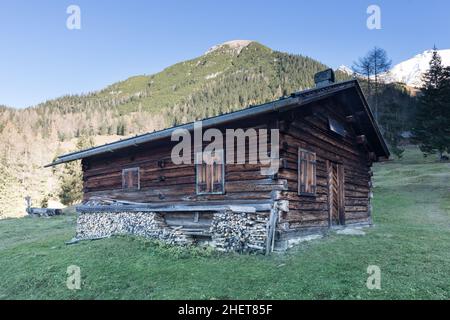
point(311, 132)
point(163, 181)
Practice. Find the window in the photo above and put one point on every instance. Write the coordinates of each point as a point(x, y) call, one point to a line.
point(337, 127)
point(211, 174)
point(306, 173)
point(131, 179)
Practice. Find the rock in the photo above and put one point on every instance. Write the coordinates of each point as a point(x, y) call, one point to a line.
point(351, 232)
point(292, 242)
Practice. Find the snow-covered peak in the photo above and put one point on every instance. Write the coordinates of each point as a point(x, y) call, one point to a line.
point(234, 45)
point(410, 71)
point(345, 70)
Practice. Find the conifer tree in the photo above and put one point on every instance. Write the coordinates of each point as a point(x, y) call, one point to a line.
point(392, 127)
point(432, 125)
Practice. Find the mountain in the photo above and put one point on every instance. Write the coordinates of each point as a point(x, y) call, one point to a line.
point(229, 76)
point(345, 70)
point(234, 46)
point(409, 72)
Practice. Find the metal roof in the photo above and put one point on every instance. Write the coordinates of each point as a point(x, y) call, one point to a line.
point(283, 104)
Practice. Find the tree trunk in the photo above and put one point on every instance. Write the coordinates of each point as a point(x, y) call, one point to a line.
point(376, 89)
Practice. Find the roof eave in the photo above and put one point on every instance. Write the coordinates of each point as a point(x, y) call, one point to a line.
point(296, 99)
point(154, 136)
point(373, 121)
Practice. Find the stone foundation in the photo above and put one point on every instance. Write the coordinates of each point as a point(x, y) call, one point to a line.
point(229, 230)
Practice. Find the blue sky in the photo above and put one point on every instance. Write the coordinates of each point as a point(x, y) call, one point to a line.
point(41, 59)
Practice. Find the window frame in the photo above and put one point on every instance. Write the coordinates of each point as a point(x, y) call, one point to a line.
point(197, 191)
point(337, 127)
point(299, 173)
point(126, 170)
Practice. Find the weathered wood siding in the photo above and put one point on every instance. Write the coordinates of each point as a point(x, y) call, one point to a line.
point(163, 181)
point(311, 132)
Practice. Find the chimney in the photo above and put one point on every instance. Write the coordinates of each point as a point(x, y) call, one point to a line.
point(324, 78)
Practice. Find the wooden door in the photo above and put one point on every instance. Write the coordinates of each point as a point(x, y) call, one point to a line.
point(336, 196)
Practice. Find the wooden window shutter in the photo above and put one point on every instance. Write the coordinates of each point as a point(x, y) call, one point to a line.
point(312, 174)
point(307, 173)
point(131, 179)
point(201, 177)
point(218, 172)
point(210, 176)
point(301, 172)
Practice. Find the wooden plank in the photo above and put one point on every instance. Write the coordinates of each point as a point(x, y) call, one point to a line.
point(271, 228)
point(341, 193)
point(249, 208)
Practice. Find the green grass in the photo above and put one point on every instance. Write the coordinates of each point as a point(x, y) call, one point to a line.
point(410, 243)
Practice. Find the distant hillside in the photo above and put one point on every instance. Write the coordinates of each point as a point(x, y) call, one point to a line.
point(227, 77)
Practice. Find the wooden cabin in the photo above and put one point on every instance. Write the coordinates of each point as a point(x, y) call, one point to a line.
point(328, 140)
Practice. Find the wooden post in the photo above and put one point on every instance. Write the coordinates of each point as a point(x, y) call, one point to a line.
point(28, 201)
point(271, 228)
point(329, 196)
point(341, 179)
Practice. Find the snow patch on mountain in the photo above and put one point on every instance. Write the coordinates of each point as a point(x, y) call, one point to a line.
point(345, 70)
point(234, 45)
point(410, 71)
point(213, 75)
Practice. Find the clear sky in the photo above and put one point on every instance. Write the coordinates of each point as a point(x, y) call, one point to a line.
point(40, 58)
